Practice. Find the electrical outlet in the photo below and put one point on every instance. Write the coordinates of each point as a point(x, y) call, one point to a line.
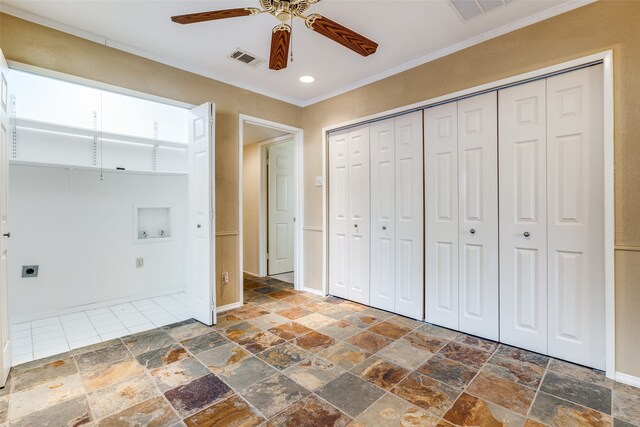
point(225, 278)
point(30, 270)
point(319, 181)
point(139, 262)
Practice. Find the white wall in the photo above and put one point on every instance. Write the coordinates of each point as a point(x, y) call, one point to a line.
point(79, 230)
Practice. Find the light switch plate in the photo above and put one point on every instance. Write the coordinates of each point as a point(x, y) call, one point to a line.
point(319, 181)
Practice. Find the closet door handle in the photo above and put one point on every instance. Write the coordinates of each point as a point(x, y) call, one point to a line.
point(7, 235)
point(526, 234)
point(472, 231)
point(355, 225)
point(384, 227)
point(198, 226)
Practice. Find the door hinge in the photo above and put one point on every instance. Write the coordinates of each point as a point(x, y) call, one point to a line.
point(267, 257)
point(210, 213)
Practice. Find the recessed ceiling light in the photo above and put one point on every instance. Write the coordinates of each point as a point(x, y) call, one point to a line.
point(307, 79)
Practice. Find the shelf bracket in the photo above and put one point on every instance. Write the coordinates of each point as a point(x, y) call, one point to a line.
point(94, 160)
point(14, 130)
point(154, 164)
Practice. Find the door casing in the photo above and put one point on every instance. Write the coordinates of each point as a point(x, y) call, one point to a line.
point(300, 229)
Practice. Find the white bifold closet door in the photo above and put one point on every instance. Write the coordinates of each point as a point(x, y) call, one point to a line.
point(349, 213)
point(383, 214)
point(575, 186)
point(441, 214)
point(397, 215)
point(523, 216)
point(462, 215)
point(551, 216)
point(478, 215)
point(339, 214)
point(359, 212)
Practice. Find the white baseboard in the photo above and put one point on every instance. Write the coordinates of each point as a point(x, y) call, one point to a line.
point(92, 306)
point(251, 273)
point(628, 379)
point(312, 291)
point(228, 307)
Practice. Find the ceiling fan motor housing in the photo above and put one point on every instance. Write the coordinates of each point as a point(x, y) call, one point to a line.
point(284, 10)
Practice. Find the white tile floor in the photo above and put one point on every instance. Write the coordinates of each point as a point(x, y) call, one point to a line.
point(53, 335)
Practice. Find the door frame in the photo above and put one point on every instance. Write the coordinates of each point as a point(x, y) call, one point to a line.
point(298, 241)
point(606, 58)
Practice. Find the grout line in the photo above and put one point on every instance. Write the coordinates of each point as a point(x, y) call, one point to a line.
point(535, 396)
point(85, 394)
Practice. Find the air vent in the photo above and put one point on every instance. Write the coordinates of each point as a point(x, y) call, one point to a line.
point(246, 58)
point(468, 9)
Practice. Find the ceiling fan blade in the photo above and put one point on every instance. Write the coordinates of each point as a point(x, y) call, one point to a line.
point(280, 38)
point(192, 18)
point(341, 34)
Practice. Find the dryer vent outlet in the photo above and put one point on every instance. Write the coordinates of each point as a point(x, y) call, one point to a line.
point(30, 271)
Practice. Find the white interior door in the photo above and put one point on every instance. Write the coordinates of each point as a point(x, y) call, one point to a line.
point(523, 216)
point(339, 214)
point(478, 215)
point(441, 204)
point(281, 208)
point(575, 182)
point(359, 214)
point(383, 214)
point(409, 224)
point(5, 343)
point(201, 273)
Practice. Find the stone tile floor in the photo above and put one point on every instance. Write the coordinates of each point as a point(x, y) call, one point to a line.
point(288, 358)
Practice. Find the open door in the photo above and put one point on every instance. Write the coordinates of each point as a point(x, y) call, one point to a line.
point(5, 344)
point(201, 254)
point(281, 208)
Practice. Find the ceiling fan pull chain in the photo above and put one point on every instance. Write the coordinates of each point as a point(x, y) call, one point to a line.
point(291, 25)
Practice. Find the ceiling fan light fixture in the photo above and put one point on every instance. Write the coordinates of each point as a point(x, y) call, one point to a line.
point(307, 79)
point(283, 11)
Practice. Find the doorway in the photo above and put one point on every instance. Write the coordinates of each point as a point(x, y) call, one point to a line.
point(111, 197)
point(270, 200)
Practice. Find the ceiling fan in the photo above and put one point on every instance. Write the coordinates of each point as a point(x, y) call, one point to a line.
point(285, 11)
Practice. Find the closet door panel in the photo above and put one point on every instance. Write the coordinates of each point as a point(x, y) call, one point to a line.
point(478, 215)
point(383, 214)
point(359, 212)
point(523, 216)
point(576, 216)
point(339, 214)
point(441, 214)
point(409, 254)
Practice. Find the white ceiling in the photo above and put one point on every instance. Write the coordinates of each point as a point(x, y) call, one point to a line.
point(409, 32)
point(255, 133)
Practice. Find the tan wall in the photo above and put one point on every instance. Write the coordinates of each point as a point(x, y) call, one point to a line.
point(594, 28)
point(250, 212)
point(40, 46)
